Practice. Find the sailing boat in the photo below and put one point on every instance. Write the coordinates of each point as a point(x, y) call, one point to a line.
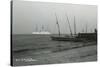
point(36, 30)
point(59, 37)
point(42, 32)
point(79, 37)
point(66, 38)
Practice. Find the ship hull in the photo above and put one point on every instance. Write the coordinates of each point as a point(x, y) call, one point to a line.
point(66, 39)
point(81, 37)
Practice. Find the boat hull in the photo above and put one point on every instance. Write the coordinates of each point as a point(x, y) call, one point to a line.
point(66, 39)
point(81, 37)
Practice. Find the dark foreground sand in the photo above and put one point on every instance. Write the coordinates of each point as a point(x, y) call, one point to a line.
point(81, 54)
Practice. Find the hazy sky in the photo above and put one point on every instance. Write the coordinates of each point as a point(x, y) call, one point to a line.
point(27, 15)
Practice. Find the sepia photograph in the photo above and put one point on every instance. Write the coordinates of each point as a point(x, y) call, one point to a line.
point(52, 33)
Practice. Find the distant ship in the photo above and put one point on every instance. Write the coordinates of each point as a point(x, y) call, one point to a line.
point(41, 31)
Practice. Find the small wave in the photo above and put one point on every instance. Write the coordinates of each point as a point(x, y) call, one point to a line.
point(25, 50)
point(21, 50)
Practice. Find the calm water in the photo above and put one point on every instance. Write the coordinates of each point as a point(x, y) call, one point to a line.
point(25, 42)
point(39, 46)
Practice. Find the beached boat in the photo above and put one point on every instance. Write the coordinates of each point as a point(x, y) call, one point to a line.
point(64, 38)
point(79, 37)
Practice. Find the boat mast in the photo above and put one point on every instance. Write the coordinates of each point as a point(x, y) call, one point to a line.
point(36, 28)
point(74, 26)
point(86, 28)
point(83, 30)
point(57, 25)
point(47, 28)
point(42, 28)
point(69, 25)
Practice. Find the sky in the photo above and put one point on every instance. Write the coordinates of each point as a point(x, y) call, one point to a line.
point(29, 16)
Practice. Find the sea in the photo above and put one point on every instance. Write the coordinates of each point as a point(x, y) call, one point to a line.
point(31, 49)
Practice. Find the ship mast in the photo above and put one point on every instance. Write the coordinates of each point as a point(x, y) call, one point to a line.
point(69, 25)
point(74, 26)
point(86, 28)
point(42, 27)
point(57, 25)
point(36, 28)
